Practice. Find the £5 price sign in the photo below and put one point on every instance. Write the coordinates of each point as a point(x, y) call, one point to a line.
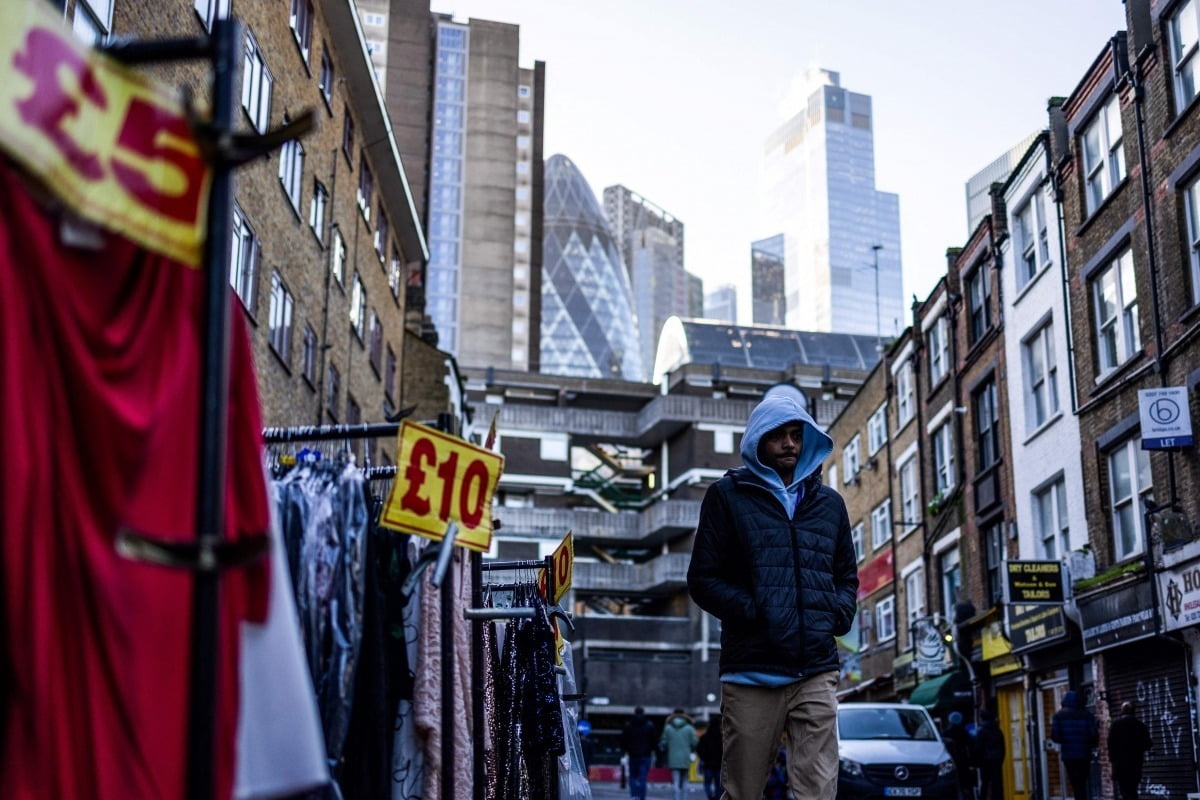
point(442, 479)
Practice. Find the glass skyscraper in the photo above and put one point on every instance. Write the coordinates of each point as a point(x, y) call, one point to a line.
point(819, 191)
point(588, 323)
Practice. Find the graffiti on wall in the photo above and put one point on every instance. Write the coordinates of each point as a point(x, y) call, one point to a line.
point(1166, 714)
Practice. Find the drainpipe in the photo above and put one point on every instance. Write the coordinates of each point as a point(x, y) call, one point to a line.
point(1056, 151)
point(324, 346)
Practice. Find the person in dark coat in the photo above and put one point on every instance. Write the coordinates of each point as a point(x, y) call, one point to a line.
point(773, 559)
point(988, 756)
point(639, 738)
point(1075, 730)
point(1128, 741)
point(958, 742)
point(709, 754)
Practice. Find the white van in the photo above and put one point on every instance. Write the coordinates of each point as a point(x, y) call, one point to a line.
point(892, 750)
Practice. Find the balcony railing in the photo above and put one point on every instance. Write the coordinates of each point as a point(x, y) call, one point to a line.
point(660, 521)
point(667, 573)
point(617, 426)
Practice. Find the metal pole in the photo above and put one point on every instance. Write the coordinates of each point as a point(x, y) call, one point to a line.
point(875, 248)
point(210, 490)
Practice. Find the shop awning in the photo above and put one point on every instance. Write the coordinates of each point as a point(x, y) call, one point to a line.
point(943, 692)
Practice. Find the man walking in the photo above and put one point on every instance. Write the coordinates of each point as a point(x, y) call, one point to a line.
point(1075, 730)
point(1128, 741)
point(774, 561)
point(638, 739)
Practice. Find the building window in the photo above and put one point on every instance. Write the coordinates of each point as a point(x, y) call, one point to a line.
point(374, 19)
point(1041, 377)
point(910, 495)
point(950, 567)
point(1191, 202)
point(325, 77)
point(366, 187)
point(316, 209)
point(333, 390)
point(885, 619)
point(291, 170)
point(979, 297)
point(375, 353)
point(280, 331)
point(244, 260)
point(93, 20)
point(1129, 489)
point(389, 375)
point(337, 257)
point(943, 459)
point(309, 359)
point(256, 85)
point(358, 308)
point(850, 457)
point(1032, 238)
point(906, 405)
point(914, 599)
point(856, 536)
point(211, 10)
point(881, 525)
point(348, 138)
point(939, 350)
point(1103, 154)
point(381, 234)
point(395, 273)
point(993, 561)
point(1050, 516)
point(1183, 29)
point(301, 22)
point(987, 425)
point(1115, 297)
point(877, 430)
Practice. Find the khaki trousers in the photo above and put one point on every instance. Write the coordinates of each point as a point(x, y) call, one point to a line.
point(752, 720)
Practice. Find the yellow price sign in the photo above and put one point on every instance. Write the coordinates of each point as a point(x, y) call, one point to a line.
point(442, 479)
point(564, 567)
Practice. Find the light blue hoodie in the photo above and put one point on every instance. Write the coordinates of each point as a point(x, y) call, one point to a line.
point(768, 415)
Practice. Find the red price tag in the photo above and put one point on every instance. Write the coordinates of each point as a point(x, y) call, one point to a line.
point(442, 479)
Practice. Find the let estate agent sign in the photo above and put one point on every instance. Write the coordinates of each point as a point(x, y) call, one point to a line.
point(1165, 416)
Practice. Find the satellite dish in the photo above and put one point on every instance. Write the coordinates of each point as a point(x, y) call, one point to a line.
point(787, 390)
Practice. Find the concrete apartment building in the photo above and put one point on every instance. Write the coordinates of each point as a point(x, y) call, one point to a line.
point(324, 229)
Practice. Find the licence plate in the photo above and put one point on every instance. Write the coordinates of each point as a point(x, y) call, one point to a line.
point(902, 791)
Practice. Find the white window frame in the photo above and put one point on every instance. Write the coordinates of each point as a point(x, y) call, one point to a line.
point(914, 595)
point(881, 524)
point(93, 21)
point(877, 432)
point(1041, 377)
point(906, 405)
point(279, 330)
point(291, 171)
point(942, 440)
point(244, 259)
point(939, 350)
point(1191, 202)
point(1032, 238)
point(910, 495)
point(358, 308)
point(337, 256)
point(256, 84)
point(1183, 33)
point(300, 20)
point(1121, 326)
point(1051, 520)
point(885, 619)
point(856, 536)
point(852, 457)
point(1101, 148)
point(211, 10)
point(308, 361)
point(325, 76)
point(366, 187)
point(1128, 532)
point(979, 302)
point(316, 209)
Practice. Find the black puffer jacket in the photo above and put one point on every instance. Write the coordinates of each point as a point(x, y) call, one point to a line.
point(782, 588)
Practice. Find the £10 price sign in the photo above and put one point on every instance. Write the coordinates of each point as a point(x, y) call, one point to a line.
point(564, 568)
point(442, 479)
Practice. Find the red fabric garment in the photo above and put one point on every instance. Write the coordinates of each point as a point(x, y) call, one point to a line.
point(99, 418)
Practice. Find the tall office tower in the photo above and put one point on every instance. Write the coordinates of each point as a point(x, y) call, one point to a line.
point(471, 117)
point(588, 323)
point(695, 296)
point(721, 304)
point(628, 213)
point(819, 192)
point(978, 186)
point(766, 281)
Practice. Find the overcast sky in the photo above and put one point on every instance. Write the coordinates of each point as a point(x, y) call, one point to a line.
point(674, 99)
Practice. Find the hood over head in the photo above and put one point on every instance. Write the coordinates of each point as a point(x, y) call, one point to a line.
point(1070, 700)
point(770, 414)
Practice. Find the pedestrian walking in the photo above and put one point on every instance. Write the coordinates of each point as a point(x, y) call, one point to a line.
point(678, 743)
point(709, 754)
point(989, 750)
point(638, 739)
point(959, 743)
point(1075, 730)
point(1128, 741)
point(773, 559)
